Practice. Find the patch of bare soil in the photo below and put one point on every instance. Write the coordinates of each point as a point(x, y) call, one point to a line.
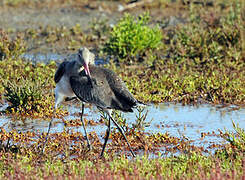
point(58, 13)
point(23, 16)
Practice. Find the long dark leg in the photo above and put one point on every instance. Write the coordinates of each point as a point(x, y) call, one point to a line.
point(86, 135)
point(107, 136)
point(49, 127)
point(121, 131)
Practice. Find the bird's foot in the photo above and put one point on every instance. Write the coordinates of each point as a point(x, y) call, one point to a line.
point(90, 147)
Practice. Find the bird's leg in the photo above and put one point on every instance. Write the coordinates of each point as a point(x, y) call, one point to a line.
point(86, 135)
point(107, 136)
point(49, 127)
point(121, 131)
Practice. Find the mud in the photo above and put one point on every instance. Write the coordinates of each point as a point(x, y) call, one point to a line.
point(35, 16)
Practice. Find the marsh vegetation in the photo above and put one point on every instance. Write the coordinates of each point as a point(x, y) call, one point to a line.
point(192, 53)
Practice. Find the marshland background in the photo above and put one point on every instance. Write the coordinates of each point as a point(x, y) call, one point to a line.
point(186, 59)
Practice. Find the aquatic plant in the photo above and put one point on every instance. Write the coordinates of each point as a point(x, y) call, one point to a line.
point(14, 2)
point(204, 59)
point(141, 119)
point(27, 87)
point(11, 48)
point(24, 97)
point(100, 28)
point(236, 143)
point(22, 158)
point(209, 39)
point(130, 38)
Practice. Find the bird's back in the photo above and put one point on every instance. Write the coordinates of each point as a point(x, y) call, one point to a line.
point(105, 90)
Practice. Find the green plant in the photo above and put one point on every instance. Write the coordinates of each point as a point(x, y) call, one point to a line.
point(10, 48)
point(131, 38)
point(99, 28)
point(118, 116)
point(209, 37)
point(141, 123)
point(236, 143)
point(26, 86)
point(24, 96)
point(14, 2)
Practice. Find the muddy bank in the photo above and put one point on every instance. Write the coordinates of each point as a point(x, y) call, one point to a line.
point(23, 17)
point(28, 18)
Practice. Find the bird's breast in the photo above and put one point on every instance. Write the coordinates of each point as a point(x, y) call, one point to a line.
point(64, 87)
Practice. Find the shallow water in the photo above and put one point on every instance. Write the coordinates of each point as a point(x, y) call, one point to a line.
point(179, 121)
point(46, 58)
point(187, 122)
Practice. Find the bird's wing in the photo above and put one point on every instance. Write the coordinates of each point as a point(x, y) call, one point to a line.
point(123, 95)
point(87, 90)
point(60, 71)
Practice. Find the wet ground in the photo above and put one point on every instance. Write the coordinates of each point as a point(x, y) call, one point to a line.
point(190, 122)
point(55, 15)
point(68, 14)
point(199, 124)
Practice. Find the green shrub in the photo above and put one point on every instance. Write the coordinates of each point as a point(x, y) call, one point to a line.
point(26, 86)
point(131, 38)
point(10, 48)
point(210, 38)
point(24, 96)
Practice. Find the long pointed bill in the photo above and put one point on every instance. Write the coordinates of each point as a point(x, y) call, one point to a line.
point(86, 68)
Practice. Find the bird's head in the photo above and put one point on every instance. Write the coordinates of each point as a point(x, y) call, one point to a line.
point(85, 57)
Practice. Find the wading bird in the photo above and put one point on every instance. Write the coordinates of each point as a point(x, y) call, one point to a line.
point(95, 85)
